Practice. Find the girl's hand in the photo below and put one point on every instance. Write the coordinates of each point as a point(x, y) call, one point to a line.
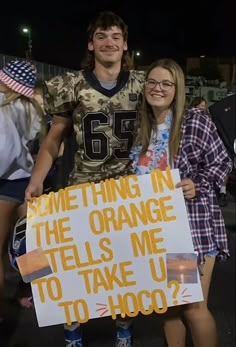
point(188, 188)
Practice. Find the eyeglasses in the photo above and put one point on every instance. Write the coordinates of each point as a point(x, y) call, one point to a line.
point(164, 85)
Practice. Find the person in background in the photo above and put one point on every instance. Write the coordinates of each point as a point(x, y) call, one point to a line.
point(201, 103)
point(188, 141)
point(100, 103)
point(20, 121)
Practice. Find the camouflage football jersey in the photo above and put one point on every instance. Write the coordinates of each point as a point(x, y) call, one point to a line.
point(105, 121)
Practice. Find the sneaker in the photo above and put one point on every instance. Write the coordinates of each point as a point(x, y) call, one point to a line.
point(73, 336)
point(222, 200)
point(124, 337)
point(75, 343)
point(26, 302)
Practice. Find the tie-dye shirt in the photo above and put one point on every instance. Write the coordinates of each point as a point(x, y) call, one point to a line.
point(157, 155)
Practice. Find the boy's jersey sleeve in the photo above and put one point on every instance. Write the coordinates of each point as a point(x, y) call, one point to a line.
point(59, 94)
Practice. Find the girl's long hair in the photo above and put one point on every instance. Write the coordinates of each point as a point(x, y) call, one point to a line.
point(13, 96)
point(178, 106)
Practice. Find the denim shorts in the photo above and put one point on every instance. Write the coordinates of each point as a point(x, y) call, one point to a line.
point(208, 254)
point(212, 253)
point(13, 190)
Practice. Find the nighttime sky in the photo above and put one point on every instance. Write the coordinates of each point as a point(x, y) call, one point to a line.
point(59, 37)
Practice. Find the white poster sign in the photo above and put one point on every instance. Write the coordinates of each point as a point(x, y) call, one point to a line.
point(117, 247)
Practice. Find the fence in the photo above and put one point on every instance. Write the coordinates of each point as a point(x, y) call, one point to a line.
point(45, 71)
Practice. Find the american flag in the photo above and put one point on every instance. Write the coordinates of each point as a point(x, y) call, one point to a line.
point(19, 76)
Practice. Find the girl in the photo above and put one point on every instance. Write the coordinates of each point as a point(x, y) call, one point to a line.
point(20, 122)
point(187, 141)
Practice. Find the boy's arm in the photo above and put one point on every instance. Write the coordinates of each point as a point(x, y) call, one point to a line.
point(48, 153)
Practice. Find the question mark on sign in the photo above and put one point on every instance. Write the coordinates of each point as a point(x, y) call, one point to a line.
point(176, 286)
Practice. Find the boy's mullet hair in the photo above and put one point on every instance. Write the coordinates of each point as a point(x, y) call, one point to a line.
point(106, 20)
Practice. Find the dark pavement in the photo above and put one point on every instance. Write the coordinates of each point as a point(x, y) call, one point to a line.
point(21, 330)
